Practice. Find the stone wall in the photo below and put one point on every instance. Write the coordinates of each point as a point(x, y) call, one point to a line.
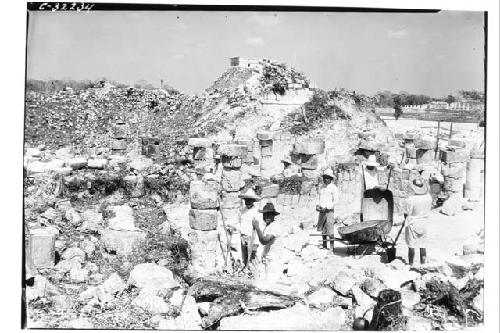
point(291, 97)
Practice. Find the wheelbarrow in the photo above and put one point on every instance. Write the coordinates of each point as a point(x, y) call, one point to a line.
point(377, 212)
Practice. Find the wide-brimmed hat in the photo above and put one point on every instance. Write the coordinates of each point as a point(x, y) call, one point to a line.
point(372, 161)
point(249, 194)
point(328, 173)
point(419, 186)
point(268, 208)
point(286, 159)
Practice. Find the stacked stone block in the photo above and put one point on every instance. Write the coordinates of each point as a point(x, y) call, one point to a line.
point(150, 146)
point(474, 181)
point(269, 194)
point(350, 185)
point(119, 134)
point(203, 220)
point(399, 185)
point(306, 153)
point(266, 151)
point(425, 151)
point(454, 171)
point(232, 156)
point(202, 152)
point(249, 143)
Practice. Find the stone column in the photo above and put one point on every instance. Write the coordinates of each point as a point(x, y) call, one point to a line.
point(474, 172)
point(248, 159)
point(425, 151)
point(454, 171)
point(119, 134)
point(202, 152)
point(266, 152)
point(232, 182)
point(203, 220)
point(307, 151)
point(269, 194)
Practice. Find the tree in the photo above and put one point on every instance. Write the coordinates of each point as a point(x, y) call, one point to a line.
point(472, 94)
point(397, 107)
point(450, 99)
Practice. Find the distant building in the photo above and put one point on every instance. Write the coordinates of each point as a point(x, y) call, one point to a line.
point(244, 62)
point(469, 105)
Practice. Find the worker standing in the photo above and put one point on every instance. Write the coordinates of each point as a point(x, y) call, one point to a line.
point(418, 207)
point(290, 169)
point(249, 214)
point(327, 199)
point(370, 173)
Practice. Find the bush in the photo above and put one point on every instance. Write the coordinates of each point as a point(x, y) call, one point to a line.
point(321, 107)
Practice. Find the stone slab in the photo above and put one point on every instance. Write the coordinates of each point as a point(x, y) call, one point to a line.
point(309, 147)
point(204, 195)
point(123, 242)
point(459, 155)
point(203, 219)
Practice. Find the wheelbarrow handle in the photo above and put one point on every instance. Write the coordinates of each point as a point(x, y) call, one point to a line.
point(399, 233)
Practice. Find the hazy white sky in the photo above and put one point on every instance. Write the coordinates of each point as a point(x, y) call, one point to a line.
point(433, 54)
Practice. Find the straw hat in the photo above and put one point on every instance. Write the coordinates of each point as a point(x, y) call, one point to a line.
point(249, 194)
point(286, 159)
point(372, 161)
point(419, 186)
point(269, 208)
point(328, 173)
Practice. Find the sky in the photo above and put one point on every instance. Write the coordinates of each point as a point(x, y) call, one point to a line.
point(434, 54)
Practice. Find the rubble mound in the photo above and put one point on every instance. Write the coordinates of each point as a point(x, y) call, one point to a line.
point(253, 98)
point(233, 77)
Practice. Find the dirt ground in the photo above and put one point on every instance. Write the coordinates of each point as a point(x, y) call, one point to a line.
point(446, 234)
point(408, 124)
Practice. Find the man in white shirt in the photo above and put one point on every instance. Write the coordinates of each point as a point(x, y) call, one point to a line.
point(327, 199)
point(418, 208)
point(370, 173)
point(249, 215)
point(268, 237)
point(289, 169)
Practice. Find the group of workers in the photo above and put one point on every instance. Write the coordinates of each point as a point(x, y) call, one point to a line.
point(258, 227)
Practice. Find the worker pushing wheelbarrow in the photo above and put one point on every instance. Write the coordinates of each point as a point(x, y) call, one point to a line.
point(377, 208)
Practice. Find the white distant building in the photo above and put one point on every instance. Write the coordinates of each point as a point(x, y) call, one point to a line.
point(244, 62)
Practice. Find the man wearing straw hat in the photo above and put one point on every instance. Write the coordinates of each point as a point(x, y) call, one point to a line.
point(370, 173)
point(418, 207)
point(327, 198)
point(249, 215)
point(267, 237)
point(289, 169)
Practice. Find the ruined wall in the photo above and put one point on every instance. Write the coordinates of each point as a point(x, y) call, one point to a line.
point(291, 97)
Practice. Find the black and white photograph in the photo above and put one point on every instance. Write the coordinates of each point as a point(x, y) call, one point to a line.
point(257, 167)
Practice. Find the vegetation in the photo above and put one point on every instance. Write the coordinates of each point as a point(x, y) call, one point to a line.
point(279, 75)
point(388, 99)
point(321, 106)
point(51, 86)
point(472, 94)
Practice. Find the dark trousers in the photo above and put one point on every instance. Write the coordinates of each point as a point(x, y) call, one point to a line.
point(411, 255)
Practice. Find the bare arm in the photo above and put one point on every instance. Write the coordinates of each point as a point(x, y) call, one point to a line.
point(263, 239)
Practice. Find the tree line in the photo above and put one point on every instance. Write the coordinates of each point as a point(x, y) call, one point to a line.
point(389, 99)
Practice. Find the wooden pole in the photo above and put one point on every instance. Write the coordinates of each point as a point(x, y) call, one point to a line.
point(437, 140)
point(451, 131)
